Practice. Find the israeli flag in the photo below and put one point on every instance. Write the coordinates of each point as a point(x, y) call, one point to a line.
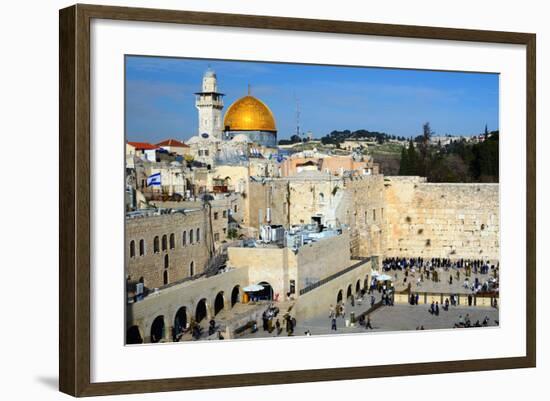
point(153, 180)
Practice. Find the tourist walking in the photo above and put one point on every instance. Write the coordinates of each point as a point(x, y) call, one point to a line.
point(368, 325)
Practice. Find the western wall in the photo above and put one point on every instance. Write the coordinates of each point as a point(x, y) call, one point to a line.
point(441, 220)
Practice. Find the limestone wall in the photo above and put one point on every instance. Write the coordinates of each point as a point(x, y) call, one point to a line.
point(151, 265)
point(263, 264)
point(277, 266)
point(441, 220)
point(318, 301)
point(322, 259)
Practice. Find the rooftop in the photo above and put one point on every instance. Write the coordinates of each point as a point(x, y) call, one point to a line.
point(173, 142)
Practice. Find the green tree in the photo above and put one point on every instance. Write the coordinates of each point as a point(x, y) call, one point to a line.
point(412, 157)
point(404, 167)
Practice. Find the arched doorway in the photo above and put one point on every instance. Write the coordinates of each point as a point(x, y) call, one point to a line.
point(339, 297)
point(349, 293)
point(201, 311)
point(218, 303)
point(235, 295)
point(157, 329)
point(358, 287)
point(180, 321)
point(133, 336)
point(266, 293)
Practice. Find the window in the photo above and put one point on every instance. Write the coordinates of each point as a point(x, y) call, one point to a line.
point(216, 237)
point(366, 217)
point(165, 277)
point(156, 244)
point(321, 197)
point(215, 215)
point(190, 236)
point(235, 208)
point(164, 242)
point(192, 268)
point(132, 248)
point(198, 234)
point(141, 247)
point(166, 262)
point(172, 241)
point(382, 213)
point(184, 238)
point(224, 213)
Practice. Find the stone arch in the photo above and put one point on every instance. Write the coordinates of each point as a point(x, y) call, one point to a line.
point(156, 247)
point(267, 292)
point(340, 296)
point(201, 311)
point(235, 295)
point(141, 247)
point(349, 292)
point(358, 287)
point(219, 303)
point(133, 335)
point(180, 320)
point(164, 242)
point(158, 329)
point(132, 248)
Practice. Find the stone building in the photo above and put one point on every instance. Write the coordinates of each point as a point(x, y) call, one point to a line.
point(166, 246)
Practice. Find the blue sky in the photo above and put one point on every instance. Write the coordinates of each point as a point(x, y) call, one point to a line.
point(160, 97)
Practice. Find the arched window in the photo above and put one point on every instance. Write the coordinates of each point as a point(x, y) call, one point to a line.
point(198, 234)
point(132, 248)
point(166, 262)
point(156, 245)
point(164, 242)
point(165, 277)
point(141, 247)
point(192, 268)
point(184, 238)
point(172, 241)
point(190, 236)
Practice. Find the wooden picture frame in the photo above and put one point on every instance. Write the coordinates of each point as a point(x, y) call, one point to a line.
point(75, 207)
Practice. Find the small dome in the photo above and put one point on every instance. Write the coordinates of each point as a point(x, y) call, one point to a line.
point(241, 138)
point(249, 114)
point(193, 139)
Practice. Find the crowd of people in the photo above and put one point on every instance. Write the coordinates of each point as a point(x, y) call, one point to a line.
point(420, 269)
point(271, 323)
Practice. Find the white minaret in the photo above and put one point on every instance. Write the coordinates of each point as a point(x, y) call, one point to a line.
point(209, 103)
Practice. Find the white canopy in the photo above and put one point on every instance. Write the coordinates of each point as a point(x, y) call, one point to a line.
point(253, 288)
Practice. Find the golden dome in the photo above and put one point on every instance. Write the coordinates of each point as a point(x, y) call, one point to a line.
point(249, 114)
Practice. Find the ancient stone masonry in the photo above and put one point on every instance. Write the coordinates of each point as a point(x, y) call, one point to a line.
point(161, 249)
point(441, 220)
